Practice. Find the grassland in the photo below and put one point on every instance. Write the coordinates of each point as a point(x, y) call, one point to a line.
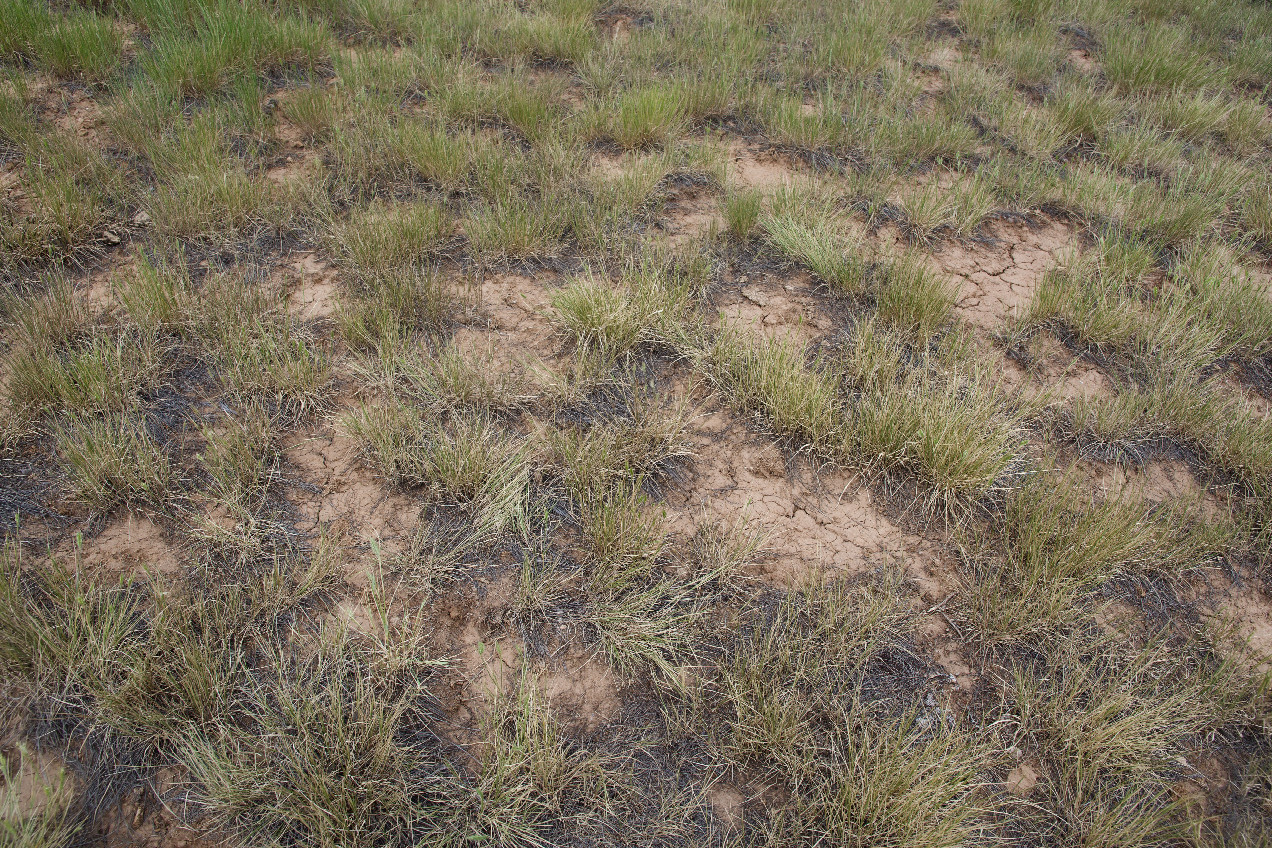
point(561, 422)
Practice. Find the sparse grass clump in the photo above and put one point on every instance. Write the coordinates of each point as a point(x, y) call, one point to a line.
point(770, 378)
point(376, 240)
point(955, 437)
point(1158, 56)
point(261, 354)
point(956, 210)
point(157, 295)
point(82, 44)
point(800, 702)
point(642, 447)
point(820, 246)
point(914, 299)
point(643, 117)
point(468, 463)
point(1110, 724)
point(200, 50)
point(514, 227)
point(1060, 548)
point(649, 308)
point(105, 373)
point(241, 460)
point(112, 462)
point(742, 212)
point(388, 308)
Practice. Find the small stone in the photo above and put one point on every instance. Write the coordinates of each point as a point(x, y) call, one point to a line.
point(142, 218)
point(755, 295)
point(1022, 779)
point(110, 238)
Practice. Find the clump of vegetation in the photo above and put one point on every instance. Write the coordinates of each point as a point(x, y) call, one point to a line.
point(561, 422)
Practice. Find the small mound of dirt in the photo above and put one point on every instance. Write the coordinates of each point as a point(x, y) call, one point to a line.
point(126, 546)
point(768, 307)
point(753, 169)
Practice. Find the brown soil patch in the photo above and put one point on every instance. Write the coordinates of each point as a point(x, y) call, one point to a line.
point(1255, 402)
point(582, 691)
point(516, 304)
point(41, 783)
point(1084, 380)
point(517, 308)
point(500, 362)
point(1060, 373)
point(346, 489)
point(131, 545)
point(295, 168)
point(1158, 481)
point(764, 170)
point(143, 818)
point(1250, 612)
point(609, 166)
point(690, 216)
point(99, 288)
point(998, 280)
point(78, 114)
point(728, 803)
point(10, 177)
point(314, 288)
point(1082, 61)
point(815, 522)
point(490, 660)
point(937, 638)
point(774, 307)
point(1022, 779)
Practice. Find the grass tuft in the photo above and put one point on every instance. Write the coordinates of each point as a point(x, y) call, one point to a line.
point(112, 462)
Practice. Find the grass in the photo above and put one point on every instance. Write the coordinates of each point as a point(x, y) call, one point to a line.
point(241, 463)
point(644, 117)
point(379, 458)
point(259, 354)
point(1159, 56)
point(642, 447)
point(949, 438)
point(469, 463)
point(217, 43)
point(1105, 734)
point(770, 379)
point(156, 296)
point(513, 227)
point(826, 251)
point(795, 706)
point(376, 240)
point(113, 462)
point(105, 373)
point(1049, 572)
point(388, 309)
point(646, 311)
point(914, 299)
